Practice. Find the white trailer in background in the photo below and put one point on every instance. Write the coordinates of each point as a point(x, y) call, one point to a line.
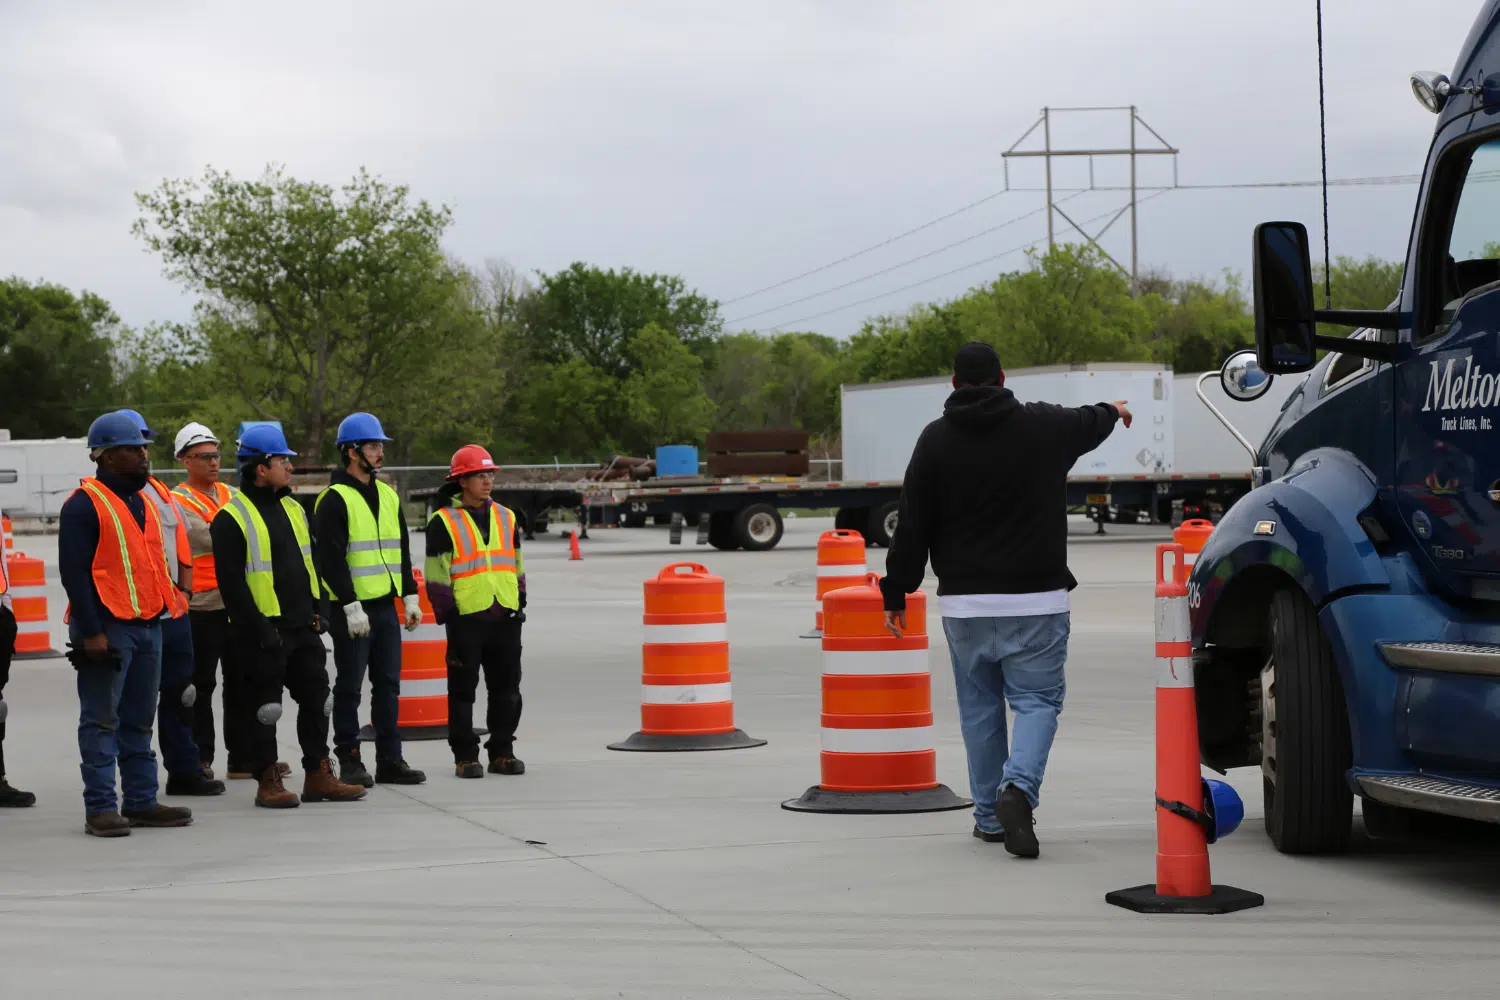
point(37, 476)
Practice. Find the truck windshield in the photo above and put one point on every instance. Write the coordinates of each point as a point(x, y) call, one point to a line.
point(1474, 243)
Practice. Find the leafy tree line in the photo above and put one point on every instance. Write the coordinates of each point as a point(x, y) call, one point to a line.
point(314, 301)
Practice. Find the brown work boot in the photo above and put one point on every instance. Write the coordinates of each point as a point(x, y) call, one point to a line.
point(159, 815)
point(322, 786)
point(106, 825)
point(272, 793)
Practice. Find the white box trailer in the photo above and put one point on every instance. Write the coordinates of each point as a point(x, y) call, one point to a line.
point(1203, 444)
point(36, 476)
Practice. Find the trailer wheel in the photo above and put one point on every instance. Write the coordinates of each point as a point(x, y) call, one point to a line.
point(882, 524)
point(758, 527)
point(1305, 745)
point(852, 519)
point(721, 530)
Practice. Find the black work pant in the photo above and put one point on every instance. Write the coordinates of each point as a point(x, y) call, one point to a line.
point(478, 642)
point(210, 637)
point(7, 650)
point(298, 666)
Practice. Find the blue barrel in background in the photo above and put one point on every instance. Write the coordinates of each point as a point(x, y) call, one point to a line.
point(676, 460)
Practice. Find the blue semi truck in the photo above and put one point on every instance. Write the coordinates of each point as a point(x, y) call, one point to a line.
point(1346, 612)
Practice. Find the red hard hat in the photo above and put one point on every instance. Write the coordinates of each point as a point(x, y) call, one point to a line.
point(470, 458)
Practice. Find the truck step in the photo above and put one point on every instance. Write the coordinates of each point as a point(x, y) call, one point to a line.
point(1445, 657)
point(1435, 795)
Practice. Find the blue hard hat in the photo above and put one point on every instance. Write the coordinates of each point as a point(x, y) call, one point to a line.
point(1224, 808)
point(358, 427)
point(116, 430)
point(140, 422)
point(263, 439)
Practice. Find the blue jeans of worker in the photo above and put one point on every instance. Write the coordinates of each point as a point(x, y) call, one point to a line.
point(380, 654)
point(115, 710)
point(1007, 660)
point(174, 720)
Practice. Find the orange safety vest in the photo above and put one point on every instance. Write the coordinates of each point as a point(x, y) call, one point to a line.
point(130, 565)
point(177, 600)
point(205, 576)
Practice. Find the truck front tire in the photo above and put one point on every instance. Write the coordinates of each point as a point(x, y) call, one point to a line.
point(1306, 749)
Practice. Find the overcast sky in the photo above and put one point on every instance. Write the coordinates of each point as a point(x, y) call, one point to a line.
point(735, 144)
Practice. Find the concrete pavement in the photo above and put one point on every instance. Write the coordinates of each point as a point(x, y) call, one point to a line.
point(602, 874)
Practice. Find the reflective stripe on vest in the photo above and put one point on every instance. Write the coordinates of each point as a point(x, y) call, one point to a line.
point(129, 566)
point(205, 575)
point(174, 541)
point(374, 553)
point(259, 571)
point(482, 573)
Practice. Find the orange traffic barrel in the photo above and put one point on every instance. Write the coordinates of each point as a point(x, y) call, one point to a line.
point(1192, 536)
point(686, 703)
point(28, 581)
point(1183, 883)
point(841, 563)
point(879, 745)
point(422, 711)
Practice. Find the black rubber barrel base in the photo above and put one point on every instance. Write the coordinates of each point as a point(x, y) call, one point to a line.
point(1223, 899)
point(46, 654)
point(937, 799)
point(656, 742)
point(814, 634)
point(415, 733)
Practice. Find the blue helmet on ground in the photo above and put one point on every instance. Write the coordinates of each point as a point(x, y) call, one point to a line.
point(140, 422)
point(264, 439)
point(1224, 808)
point(117, 430)
point(359, 427)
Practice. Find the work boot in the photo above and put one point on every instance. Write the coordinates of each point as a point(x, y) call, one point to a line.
point(272, 793)
point(14, 798)
point(322, 786)
point(397, 772)
point(106, 825)
point(159, 815)
point(194, 783)
point(468, 769)
point(352, 770)
point(208, 770)
point(1013, 810)
point(507, 765)
point(988, 837)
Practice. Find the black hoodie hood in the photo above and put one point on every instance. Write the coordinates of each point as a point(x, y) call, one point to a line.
point(979, 407)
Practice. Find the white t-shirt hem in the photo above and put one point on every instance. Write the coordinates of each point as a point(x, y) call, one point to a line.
point(1049, 602)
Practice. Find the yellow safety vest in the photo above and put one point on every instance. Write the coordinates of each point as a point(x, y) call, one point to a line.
point(482, 573)
point(258, 571)
point(374, 553)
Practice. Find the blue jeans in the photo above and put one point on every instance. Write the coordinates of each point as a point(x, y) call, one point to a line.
point(380, 653)
point(999, 660)
point(174, 720)
point(115, 711)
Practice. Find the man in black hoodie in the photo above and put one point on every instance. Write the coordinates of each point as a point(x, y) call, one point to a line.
point(984, 498)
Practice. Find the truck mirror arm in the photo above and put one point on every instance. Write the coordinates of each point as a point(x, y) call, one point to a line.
point(1373, 350)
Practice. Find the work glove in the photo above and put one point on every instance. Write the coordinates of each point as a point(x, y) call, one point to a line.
point(358, 621)
point(267, 635)
point(413, 605)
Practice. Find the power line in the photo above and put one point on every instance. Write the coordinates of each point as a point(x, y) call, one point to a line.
point(947, 274)
point(897, 266)
point(869, 249)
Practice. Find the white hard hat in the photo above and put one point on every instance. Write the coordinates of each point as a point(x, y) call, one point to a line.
point(194, 433)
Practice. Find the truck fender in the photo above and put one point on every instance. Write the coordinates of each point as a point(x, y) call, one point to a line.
point(1299, 530)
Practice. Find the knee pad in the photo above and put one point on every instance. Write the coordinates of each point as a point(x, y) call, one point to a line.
point(328, 705)
point(268, 714)
point(4, 710)
point(189, 696)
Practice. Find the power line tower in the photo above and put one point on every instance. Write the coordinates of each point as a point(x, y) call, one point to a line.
point(1133, 150)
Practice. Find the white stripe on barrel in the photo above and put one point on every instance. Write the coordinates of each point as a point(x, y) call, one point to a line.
point(829, 571)
point(905, 740)
point(673, 634)
point(875, 661)
point(1174, 646)
point(427, 633)
point(684, 694)
point(424, 688)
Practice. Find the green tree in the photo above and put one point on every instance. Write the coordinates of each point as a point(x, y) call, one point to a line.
point(1370, 283)
point(662, 399)
point(317, 301)
point(1198, 324)
point(56, 364)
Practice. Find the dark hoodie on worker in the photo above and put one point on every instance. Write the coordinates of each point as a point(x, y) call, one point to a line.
point(984, 496)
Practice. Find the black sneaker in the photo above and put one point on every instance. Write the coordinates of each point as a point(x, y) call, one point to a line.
point(14, 798)
point(352, 769)
point(397, 772)
point(468, 769)
point(1014, 812)
point(507, 765)
point(989, 838)
point(194, 783)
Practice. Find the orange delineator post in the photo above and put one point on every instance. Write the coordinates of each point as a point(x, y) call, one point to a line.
point(28, 579)
point(841, 563)
point(575, 554)
point(5, 533)
point(422, 711)
point(879, 747)
point(686, 701)
point(1192, 536)
point(1183, 883)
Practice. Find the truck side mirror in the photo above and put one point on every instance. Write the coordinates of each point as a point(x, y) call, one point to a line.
point(1242, 378)
point(1284, 324)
